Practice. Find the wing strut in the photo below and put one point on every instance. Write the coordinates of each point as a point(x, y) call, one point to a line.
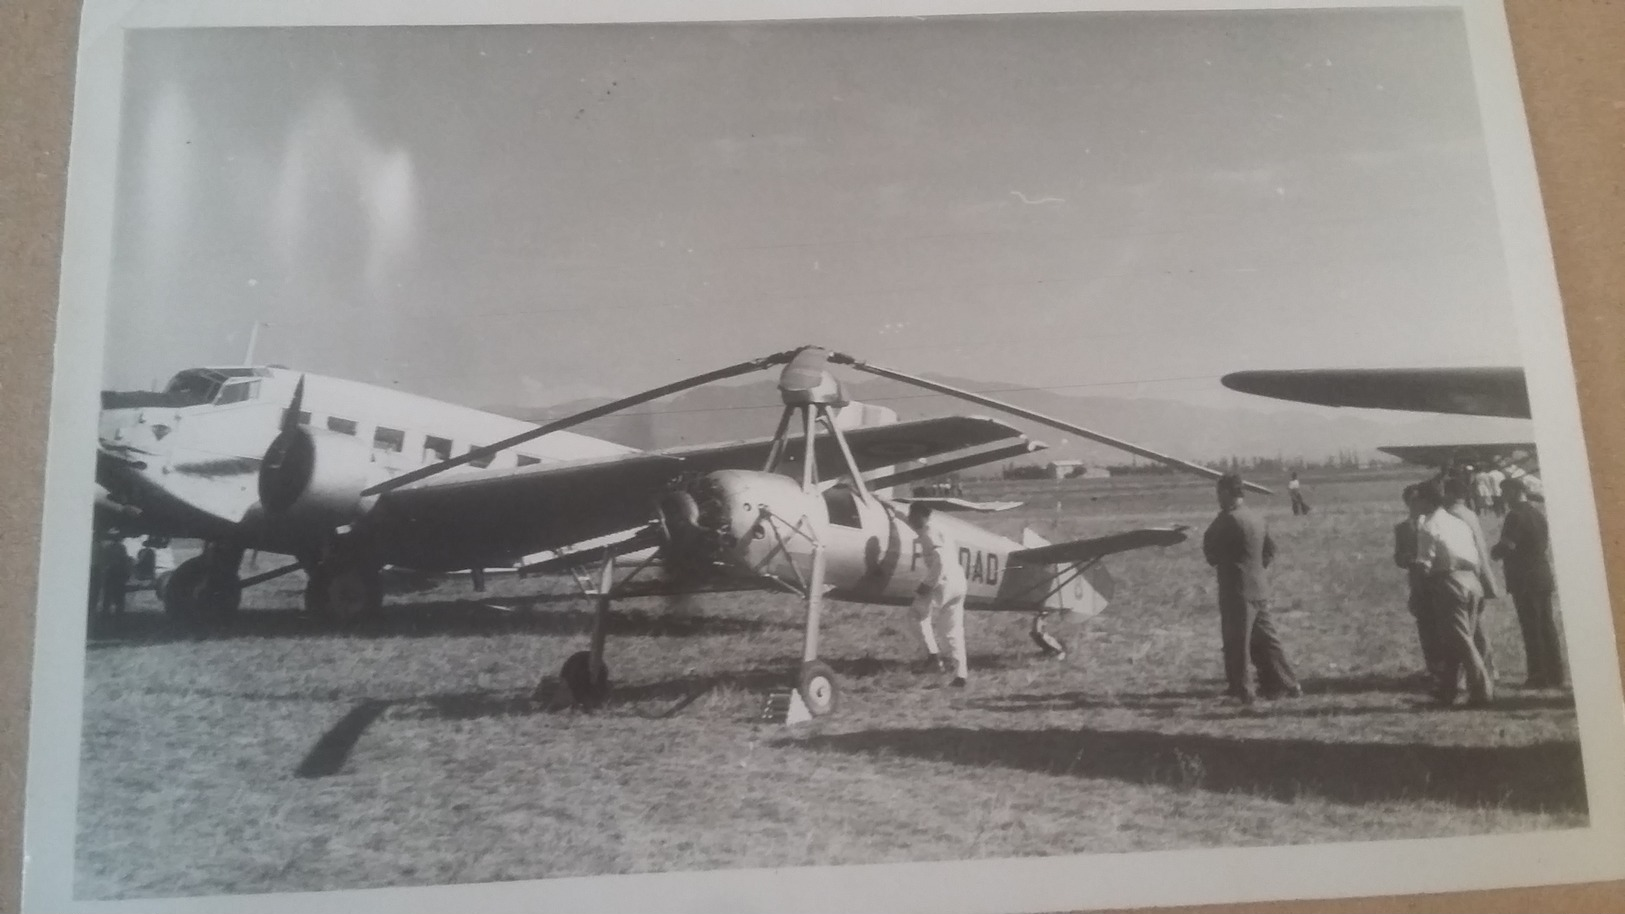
point(395, 482)
point(841, 358)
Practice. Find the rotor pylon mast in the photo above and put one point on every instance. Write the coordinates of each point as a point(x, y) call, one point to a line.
point(812, 394)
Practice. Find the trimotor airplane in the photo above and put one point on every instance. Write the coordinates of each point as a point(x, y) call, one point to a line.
point(325, 498)
point(190, 462)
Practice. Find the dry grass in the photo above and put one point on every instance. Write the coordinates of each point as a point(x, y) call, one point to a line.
point(284, 757)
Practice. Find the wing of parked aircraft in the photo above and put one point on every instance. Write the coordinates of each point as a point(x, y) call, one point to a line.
point(1466, 391)
point(1438, 455)
point(460, 520)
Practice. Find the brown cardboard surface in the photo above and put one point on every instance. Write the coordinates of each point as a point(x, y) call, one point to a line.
point(37, 43)
point(1568, 55)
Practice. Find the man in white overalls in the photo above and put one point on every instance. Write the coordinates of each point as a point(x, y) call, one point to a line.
point(942, 587)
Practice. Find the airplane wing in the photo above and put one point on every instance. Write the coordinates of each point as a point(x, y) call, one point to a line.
point(460, 520)
point(1467, 391)
point(1438, 455)
point(873, 446)
point(1090, 549)
point(943, 503)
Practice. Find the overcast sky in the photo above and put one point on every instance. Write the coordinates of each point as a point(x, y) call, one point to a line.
point(537, 213)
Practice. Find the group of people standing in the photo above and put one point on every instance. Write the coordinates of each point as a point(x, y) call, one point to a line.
point(1450, 565)
point(1441, 544)
point(113, 570)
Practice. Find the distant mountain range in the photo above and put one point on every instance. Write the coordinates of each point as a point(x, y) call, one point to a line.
point(1202, 433)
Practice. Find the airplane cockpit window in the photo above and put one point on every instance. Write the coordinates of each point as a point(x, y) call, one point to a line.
point(237, 392)
point(389, 439)
point(843, 507)
point(197, 386)
point(193, 388)
point(526, 460)
point(304, 417)
point(342, 426)
point(481, 462)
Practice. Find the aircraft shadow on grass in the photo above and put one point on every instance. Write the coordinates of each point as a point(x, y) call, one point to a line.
point(330, 752)
point(546, 615)
point(1545, 777)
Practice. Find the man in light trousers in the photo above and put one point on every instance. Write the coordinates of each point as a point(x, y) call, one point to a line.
point(942, 589)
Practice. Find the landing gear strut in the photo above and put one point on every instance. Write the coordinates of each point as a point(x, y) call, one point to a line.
point(585, 675)
point(205, 588)
point(1050, 645)
point(816, 682)
point(344, 586)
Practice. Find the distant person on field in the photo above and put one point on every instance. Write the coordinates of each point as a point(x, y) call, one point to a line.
point(116, 566)
point(1525, 551)
point(1447, 557)
point(1455, 501)
point(1299, 506)
point(941, 588)
point(146, 562)
point(97, 557)
point(1511, 470)
point(1405, 556)
point(1497, 499)
point(1485, 492)
point(1238, 546)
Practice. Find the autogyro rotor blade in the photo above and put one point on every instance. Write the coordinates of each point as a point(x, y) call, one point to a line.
point(841, 358)
point(777, 358)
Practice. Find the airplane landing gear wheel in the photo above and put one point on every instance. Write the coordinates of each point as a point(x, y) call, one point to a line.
point(818, 688)
point(587, 691)
point(344, 594)
point(195, 593)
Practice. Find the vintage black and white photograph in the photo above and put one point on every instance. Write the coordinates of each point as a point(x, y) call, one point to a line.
point(813, 449)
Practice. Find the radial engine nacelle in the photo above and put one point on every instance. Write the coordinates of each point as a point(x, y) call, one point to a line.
point(316, 477)
point(726, 521)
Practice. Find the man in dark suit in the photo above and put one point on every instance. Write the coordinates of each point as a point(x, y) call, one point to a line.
point(1525, 553)
point(1238, 546)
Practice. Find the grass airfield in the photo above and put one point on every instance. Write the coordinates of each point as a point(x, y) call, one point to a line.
point(280, 755)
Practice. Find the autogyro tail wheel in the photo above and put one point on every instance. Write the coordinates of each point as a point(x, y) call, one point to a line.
point(1048, 643)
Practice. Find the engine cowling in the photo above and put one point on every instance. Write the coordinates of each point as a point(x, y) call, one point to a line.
point(715, 523)
point(315, 476)
point(693, 527)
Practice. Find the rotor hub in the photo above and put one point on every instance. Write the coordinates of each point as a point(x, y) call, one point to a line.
point(807, 380)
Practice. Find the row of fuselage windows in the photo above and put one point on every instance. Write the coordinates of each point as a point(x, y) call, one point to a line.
point(432, 447)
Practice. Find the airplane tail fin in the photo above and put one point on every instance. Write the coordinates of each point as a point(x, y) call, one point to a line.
point(1080, 595)
point(863, 415)
point(855, 415)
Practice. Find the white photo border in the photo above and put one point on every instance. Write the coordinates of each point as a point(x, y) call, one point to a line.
point(1354, 869)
